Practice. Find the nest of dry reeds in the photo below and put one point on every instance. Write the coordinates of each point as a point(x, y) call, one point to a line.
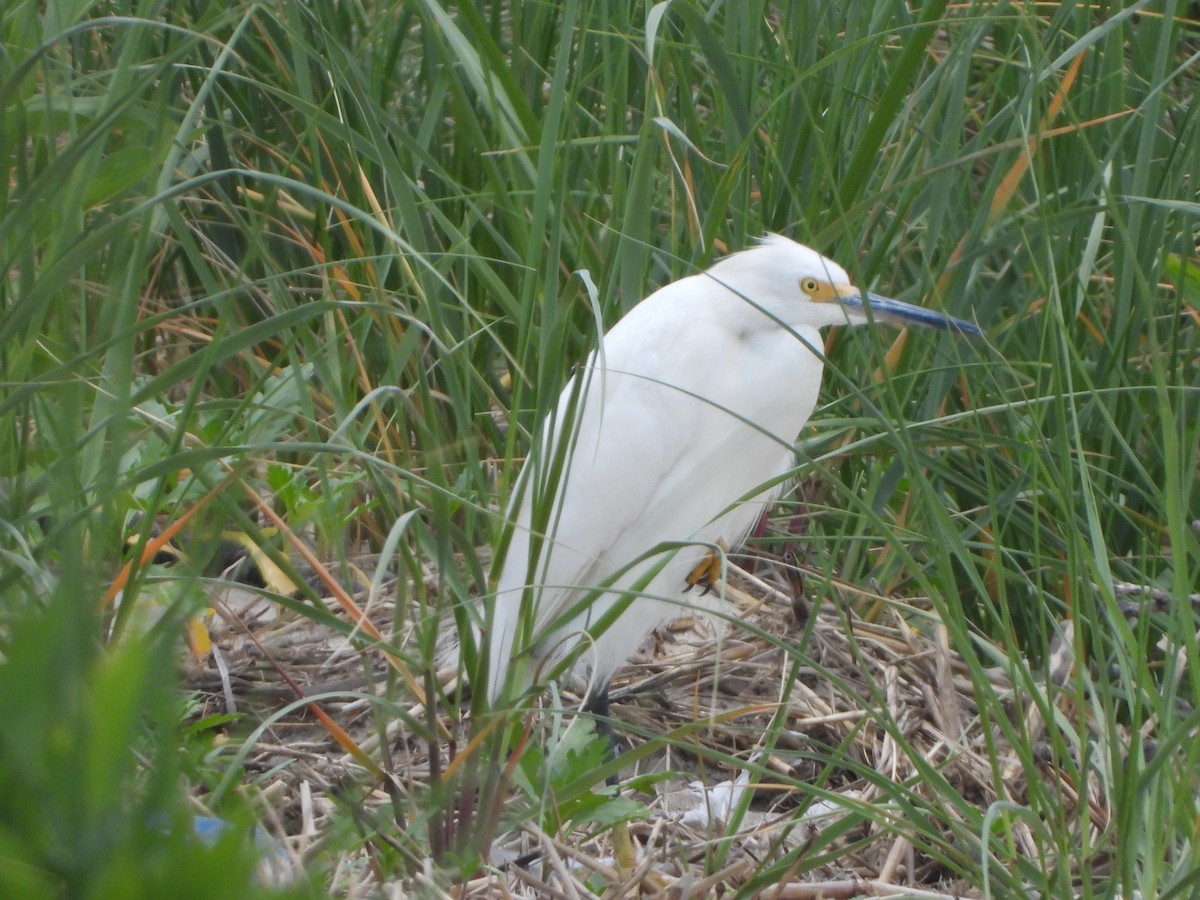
point(809, 715)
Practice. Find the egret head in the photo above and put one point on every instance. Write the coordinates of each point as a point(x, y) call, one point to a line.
point(803, 288)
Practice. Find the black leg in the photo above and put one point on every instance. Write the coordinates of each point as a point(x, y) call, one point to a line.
point(597, 706)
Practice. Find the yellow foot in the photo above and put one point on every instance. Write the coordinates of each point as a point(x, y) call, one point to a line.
point(707, 572)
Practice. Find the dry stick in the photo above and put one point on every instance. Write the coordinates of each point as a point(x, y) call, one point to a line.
point(335, 730)
point(226, 683)
point(836, 890)
point(949, 709)
point(543, 889)
point(901, 850)
point(726, 876)
point(608, 873)
point(551, 855)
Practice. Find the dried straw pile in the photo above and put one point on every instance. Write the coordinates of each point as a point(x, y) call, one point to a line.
point(871, 706)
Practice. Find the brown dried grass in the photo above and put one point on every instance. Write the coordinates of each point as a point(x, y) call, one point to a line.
point(873, 703)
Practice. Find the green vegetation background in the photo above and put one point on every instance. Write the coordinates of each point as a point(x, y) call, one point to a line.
point(329, 251)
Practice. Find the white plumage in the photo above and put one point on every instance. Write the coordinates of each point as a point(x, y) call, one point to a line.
point(684, 427)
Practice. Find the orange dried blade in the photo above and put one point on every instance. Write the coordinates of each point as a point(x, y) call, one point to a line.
point(155, 544)
point(731, 715)
point(472, 746)
point(515, 757)
point(1095, 331)
point(1008, 184)
point(339, 273)
point(1060, 96)
point(363, 374)
point(689, 188)
point(342, 277)
point(336, 591)
point(988, 552)
point(372, 200)
point(346, 742)
point(339, 734)
point(892, 358)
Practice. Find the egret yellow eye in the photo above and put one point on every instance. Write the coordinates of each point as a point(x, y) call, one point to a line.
point(819, 291)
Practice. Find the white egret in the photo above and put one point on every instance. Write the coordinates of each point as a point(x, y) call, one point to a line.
point(668, 442)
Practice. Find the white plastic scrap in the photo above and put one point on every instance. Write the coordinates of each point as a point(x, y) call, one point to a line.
point(715, 803)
